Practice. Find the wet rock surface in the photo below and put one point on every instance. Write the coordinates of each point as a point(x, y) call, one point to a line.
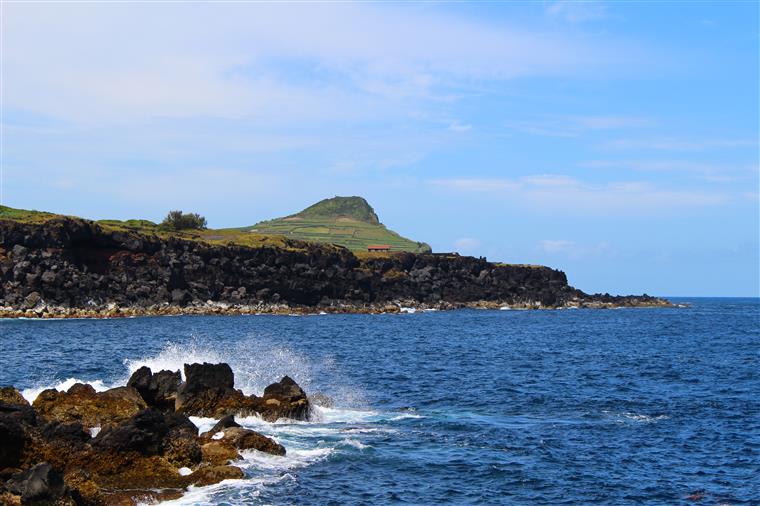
point(157, 390)
point(40, 485)
point(81, 403)
point(48, 455)
point(284, 399)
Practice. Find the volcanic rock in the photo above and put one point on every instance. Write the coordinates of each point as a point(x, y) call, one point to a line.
point(246, 439)
point(157, 390)
point(82, 404)
point(208, 391)
point(40, 485)
point(12, 437)
point(15, 421)
point(284, 399)
point(138, 453)
point(219, 453)
point(10, 395)
point(223, 423)
point(210, 475)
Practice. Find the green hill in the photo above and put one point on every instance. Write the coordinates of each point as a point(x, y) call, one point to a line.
point(345, 221)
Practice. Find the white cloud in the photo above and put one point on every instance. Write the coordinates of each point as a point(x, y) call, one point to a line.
point(556, 245)
point(548, 192)
point(466, 244)
point(575, 126)
point(476, 184)
point(576, 11)
point(574, 250)
point(455, 126)
point(714, 173)
point(672, 144)
point(119, 61)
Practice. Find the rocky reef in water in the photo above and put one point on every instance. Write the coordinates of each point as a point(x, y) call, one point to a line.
point(73, 267)
point(134, 443)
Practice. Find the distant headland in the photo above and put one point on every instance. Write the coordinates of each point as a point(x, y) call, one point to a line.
point(334, 256)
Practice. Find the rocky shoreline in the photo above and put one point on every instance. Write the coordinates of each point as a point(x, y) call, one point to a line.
point(68, 267)
point(222, 309)
point(134, 443)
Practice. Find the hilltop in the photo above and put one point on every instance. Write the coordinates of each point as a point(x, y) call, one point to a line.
point(344, 221)
point(340, 221)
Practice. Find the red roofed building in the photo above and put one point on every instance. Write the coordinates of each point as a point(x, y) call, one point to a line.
point(379, 247)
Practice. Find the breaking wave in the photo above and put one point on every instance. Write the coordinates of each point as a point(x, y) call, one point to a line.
point(344, 429)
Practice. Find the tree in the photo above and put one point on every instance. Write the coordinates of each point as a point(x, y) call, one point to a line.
point(177, 220)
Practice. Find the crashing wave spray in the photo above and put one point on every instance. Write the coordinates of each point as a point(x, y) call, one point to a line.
point(256, 363)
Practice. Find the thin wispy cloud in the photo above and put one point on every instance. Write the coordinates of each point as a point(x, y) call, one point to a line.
point(573, 249)
point(575, 126)
point(669, 144)
point(577, 11)
point(551, 192)
point(714, 172)
point(242, 66)
point(467, 244)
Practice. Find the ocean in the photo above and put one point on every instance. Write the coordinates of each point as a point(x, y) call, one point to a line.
point(629, 406)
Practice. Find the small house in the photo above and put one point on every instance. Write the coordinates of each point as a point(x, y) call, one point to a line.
point(379, 247)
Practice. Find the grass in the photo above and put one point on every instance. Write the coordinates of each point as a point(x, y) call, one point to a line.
point(293, 233)
point(346, 221)
point(146, 227)
point(355, 227)
point(352, 234)
point(355, 208)
point(9, 213)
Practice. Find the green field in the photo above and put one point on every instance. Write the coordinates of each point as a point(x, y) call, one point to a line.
point(354, 235)
point(345, 221)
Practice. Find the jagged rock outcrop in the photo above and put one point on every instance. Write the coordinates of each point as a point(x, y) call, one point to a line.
point(10, 395)
point(284, 399)
point(72, 264)
point(40, 485)
point(245, 439)
point(81, 403)
point(48, 455)
point(157, 390)
point(209, 391)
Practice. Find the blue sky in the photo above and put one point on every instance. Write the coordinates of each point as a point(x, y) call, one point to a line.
point(617, 141)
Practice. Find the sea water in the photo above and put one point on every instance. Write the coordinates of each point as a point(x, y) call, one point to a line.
point(630, 406)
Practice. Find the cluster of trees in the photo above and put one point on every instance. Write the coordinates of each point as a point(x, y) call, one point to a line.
point(177, 220)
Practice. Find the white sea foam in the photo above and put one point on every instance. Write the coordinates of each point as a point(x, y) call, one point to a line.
point(203, 424)
point(635, 417)
point(256, 364)
point(645, 418)
point(30, 394)
point(404, 416)
point(294, 458)
point(354, 443)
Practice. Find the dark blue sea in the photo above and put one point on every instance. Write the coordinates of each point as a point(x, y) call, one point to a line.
point(630, 406)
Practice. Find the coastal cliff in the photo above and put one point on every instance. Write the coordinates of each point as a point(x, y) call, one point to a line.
point(73, 267)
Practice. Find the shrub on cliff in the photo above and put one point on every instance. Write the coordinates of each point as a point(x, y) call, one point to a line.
point(177, 220)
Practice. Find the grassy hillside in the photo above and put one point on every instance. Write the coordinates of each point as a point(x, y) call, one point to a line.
point(211, 236)
point(10, 213)
point(345, 221)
